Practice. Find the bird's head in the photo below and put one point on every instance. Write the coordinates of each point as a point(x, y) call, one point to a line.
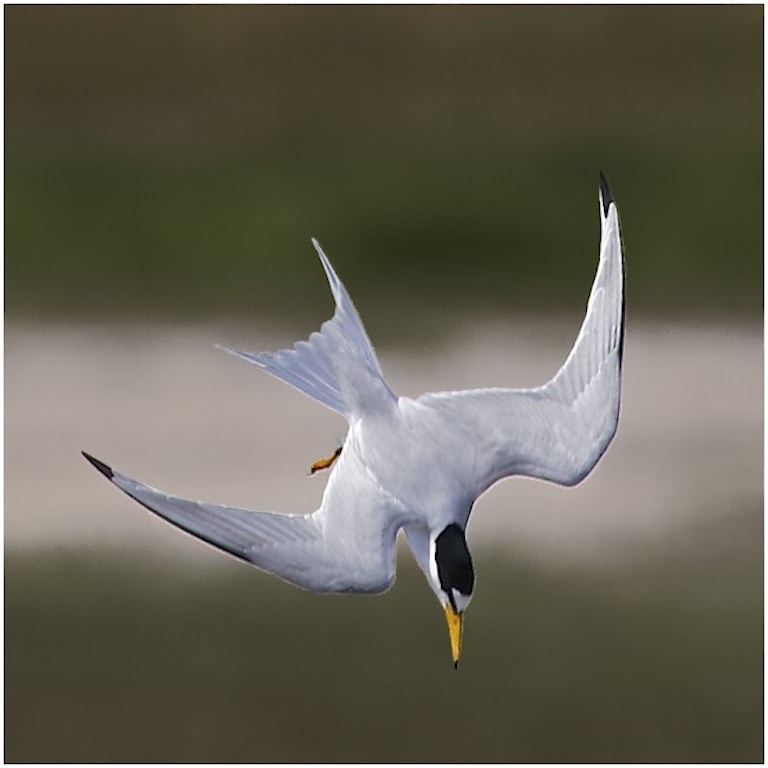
point(453, 580)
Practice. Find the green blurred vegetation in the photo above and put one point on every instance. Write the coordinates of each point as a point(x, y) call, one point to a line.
point(174, 161)
point(122, 659)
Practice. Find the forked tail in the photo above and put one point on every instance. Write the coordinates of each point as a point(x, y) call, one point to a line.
point(336, 365)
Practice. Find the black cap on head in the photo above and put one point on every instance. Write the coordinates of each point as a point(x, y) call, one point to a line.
point(454, 563)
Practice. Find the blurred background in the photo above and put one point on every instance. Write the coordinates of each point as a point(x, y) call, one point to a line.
point(165, 168)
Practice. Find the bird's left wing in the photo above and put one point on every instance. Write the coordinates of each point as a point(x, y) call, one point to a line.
point(559, 431)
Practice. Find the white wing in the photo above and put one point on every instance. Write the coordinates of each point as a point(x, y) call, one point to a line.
point(337, 365)
point(348, 545)
point(557, 432)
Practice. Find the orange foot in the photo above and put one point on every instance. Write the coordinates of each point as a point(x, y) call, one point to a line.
point(325, 463)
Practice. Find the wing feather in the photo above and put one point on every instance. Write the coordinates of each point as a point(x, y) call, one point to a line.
point(347, 545)
point(559, 431)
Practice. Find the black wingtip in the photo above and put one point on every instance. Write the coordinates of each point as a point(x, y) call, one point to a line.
point(605, 193)
point(100, 465)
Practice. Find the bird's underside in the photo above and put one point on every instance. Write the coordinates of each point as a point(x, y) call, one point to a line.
point(406, 463)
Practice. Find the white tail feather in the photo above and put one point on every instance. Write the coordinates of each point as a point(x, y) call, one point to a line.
point(336, 365)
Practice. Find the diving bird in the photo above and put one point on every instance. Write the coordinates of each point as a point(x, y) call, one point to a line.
point(417, 464)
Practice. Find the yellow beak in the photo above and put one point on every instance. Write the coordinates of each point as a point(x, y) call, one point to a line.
point(455, 629)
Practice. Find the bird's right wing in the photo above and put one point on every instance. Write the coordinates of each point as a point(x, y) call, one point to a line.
point(348, 545)
point(337, 364)
point(559, 431)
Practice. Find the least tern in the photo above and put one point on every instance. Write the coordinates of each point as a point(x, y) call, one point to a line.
point(417, 464)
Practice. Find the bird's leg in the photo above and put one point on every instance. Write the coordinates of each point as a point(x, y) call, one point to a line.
point(325, 463)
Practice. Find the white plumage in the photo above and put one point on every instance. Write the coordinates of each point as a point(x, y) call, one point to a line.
point(417, 464)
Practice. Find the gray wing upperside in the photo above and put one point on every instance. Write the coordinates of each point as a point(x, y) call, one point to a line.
point(559, 431)
point(308, 551)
